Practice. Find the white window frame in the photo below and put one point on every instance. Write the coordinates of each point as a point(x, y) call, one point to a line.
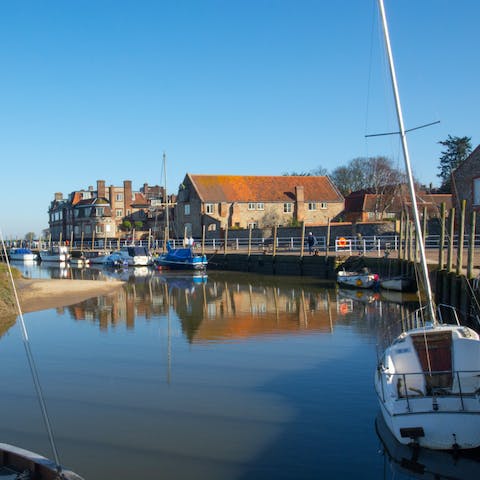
point(260, 206)
point(323, 205)
point(210, 208)
point(287, 207)
point(251, 205)
point(312, 206)
point(119, 197)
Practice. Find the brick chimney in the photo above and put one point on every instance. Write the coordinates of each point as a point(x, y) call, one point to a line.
point(299, 203)
point(127, 196)
point(58, 196)
point(101, 188)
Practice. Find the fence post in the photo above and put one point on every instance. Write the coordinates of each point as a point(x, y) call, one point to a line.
point(461, 233)
point(471, 246)
point(441, 253)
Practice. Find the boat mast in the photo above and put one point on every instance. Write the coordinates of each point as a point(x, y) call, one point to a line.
point(167, 219)
point(408, 167)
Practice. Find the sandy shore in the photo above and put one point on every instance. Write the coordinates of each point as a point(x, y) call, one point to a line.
point(42, 294)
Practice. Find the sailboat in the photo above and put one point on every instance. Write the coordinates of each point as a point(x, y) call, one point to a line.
point(428, 380)
point(183, 258)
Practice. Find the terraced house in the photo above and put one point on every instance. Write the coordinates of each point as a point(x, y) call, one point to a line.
point(220, 201)
point(100, 213)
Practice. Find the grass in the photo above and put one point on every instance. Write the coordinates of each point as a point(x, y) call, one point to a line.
point(7, 301)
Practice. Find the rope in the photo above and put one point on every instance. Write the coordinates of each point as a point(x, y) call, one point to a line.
point(31, 361)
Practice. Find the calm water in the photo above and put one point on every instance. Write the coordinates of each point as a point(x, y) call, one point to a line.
point(230, 376)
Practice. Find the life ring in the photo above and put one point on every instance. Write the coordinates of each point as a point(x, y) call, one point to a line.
point(359, 283)
point(343, 308)
point(342, 242)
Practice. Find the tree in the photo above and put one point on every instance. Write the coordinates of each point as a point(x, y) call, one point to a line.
point(457, 149)
point(126, 225)
point(30, 236)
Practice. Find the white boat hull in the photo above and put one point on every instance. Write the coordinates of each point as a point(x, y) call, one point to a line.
point(357, 280)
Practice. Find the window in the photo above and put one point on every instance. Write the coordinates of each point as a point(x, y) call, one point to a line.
point(212, 227)
point(260, 206)
point(99, 211)
point(323, 206)
point(476, 191)
point(209, 208)
point(287, 208)
point(98, 228)
point(186, 209)
point(312, 206)
point(252, 225)
point(119, 197)
point(119, 213)
point(251, 206)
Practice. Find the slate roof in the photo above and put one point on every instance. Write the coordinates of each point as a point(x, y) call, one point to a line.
point(249, 188)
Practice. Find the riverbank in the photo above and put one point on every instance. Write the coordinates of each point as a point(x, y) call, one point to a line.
point(42, 294)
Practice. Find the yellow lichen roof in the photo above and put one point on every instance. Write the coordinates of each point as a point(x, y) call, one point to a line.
point(250, 188)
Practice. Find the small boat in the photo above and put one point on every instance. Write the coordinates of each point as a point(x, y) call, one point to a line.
point(79, 259)
point(400, 283)
point(97, 257)
point(130, 255)
point(55, 254)
point(22, 254)
point(181, 259)
point(17, 463)
point(363, 279)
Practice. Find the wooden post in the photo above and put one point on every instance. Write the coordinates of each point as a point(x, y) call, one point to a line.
point(225, 240)
point(441, 253)
point(461, 234)
point(93, 239)
point(149, 238)
point(401, 248)
point(60, 241)
point(203, 239)
point(328, 239)
point(81, 241)
point(303, 239)
point(274, 252)
point(450, 241)
point(71, 240)
point(249, 240)
point(471, 246)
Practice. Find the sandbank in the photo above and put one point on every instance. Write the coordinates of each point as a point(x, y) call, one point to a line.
point(42, 294)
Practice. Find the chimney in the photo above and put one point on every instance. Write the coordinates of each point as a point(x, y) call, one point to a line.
point(101, 188)
point(127, 196)
point(299, 203)
point(58, 196)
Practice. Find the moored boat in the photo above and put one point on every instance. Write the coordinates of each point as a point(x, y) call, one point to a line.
point(55, 254)
point(399, 283)
point(184, 258)
point(363, 279)
point(18, 463)
point(22, 254)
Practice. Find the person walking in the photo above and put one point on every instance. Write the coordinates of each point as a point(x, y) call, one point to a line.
point(311, 240)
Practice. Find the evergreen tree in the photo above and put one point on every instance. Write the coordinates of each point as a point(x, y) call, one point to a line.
point(457, 149)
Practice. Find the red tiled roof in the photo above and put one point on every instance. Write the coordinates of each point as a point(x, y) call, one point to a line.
point(249, 188)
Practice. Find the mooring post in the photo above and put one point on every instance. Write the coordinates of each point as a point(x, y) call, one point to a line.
point(450, 240)
point(441, 253)
point(471, 246)
point(461, 233)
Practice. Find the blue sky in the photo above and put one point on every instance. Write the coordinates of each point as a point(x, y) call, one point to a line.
point(99, 89)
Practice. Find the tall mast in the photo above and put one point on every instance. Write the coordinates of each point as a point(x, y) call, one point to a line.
point(408, 167)
point(167, 214)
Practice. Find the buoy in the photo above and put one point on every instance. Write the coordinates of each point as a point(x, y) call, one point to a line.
point(342, 242)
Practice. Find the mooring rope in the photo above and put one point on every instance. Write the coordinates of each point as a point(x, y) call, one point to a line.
point(31, 361)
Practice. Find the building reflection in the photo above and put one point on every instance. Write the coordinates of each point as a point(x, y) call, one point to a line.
point(224, 306)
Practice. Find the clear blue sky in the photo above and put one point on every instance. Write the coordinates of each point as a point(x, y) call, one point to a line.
point(94, 89)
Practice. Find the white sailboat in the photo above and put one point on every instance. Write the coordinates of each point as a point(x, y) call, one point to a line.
point(428, 380)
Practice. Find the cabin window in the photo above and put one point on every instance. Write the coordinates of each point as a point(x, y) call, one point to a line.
point(287, 208)
point(476, 191)
point(260, 206)
point(186, 209)
point(251, 206)
point(312, 206)
point(209, 208)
